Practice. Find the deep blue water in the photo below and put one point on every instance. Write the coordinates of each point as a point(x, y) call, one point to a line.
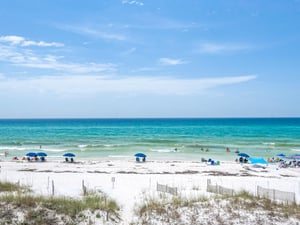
point(158, 138)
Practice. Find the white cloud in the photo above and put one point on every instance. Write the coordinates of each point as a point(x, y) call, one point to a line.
point(21, 41)
point(14, 40)
point(171, 62)
point(26, 58)
point(93, 85)
point(132, 2)
point(218, 48)
point(68, 67)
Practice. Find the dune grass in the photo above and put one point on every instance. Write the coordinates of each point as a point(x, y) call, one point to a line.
point(52, 210)
point(11, 187)
point(242, 208)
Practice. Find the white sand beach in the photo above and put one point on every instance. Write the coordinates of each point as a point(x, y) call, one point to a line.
point(132, 180)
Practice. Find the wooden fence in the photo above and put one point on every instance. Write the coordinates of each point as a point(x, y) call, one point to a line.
point(166, 189)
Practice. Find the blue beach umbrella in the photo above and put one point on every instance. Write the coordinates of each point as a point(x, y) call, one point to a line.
point(281, 155)
point(69, 154)
point(140, 155)
point(31, 154)
point(243, 155)
point(258, 161)
point(42, 154)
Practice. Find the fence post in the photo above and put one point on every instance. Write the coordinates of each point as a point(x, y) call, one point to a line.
point(52, 188)
point(113, 179)
point(48, 184)
point(83, 188)
point(208, 185)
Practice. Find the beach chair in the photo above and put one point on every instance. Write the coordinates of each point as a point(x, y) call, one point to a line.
point(72, 160)
point(66, 159)
point(137, 159)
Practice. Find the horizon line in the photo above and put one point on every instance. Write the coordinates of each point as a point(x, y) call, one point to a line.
point(103, 118)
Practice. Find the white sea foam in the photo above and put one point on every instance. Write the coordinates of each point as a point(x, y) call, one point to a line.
point(14, 148)
point(119, 156)
point(53, 150)
point(30, 148)
point(116, 145)
point(296, 149)
point(163, 150)
point(96, 145)
point(269, 143)
point(82, 146)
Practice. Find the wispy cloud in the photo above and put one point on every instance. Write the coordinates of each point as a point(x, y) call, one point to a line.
point(93, 85)
point(21, 41)
point(128, 52)
point(101, 33)
point(171, 62)
point(219, 48)
point(163, 23)
point(139, 3)
point(144, 69)
point(27, 58)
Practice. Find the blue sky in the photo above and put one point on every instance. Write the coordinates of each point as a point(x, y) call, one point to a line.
point(149, 58)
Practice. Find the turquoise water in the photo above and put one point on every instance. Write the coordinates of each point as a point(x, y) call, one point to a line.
point(158, 138)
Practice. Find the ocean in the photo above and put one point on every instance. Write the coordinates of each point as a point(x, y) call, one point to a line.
point(187, 139)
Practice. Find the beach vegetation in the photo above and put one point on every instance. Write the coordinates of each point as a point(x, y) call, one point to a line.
point(55, 210)
point(152, 205)
point(241, 208)
point(12, 187)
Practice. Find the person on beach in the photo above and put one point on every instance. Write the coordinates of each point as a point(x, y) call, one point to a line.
point(228, 150)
